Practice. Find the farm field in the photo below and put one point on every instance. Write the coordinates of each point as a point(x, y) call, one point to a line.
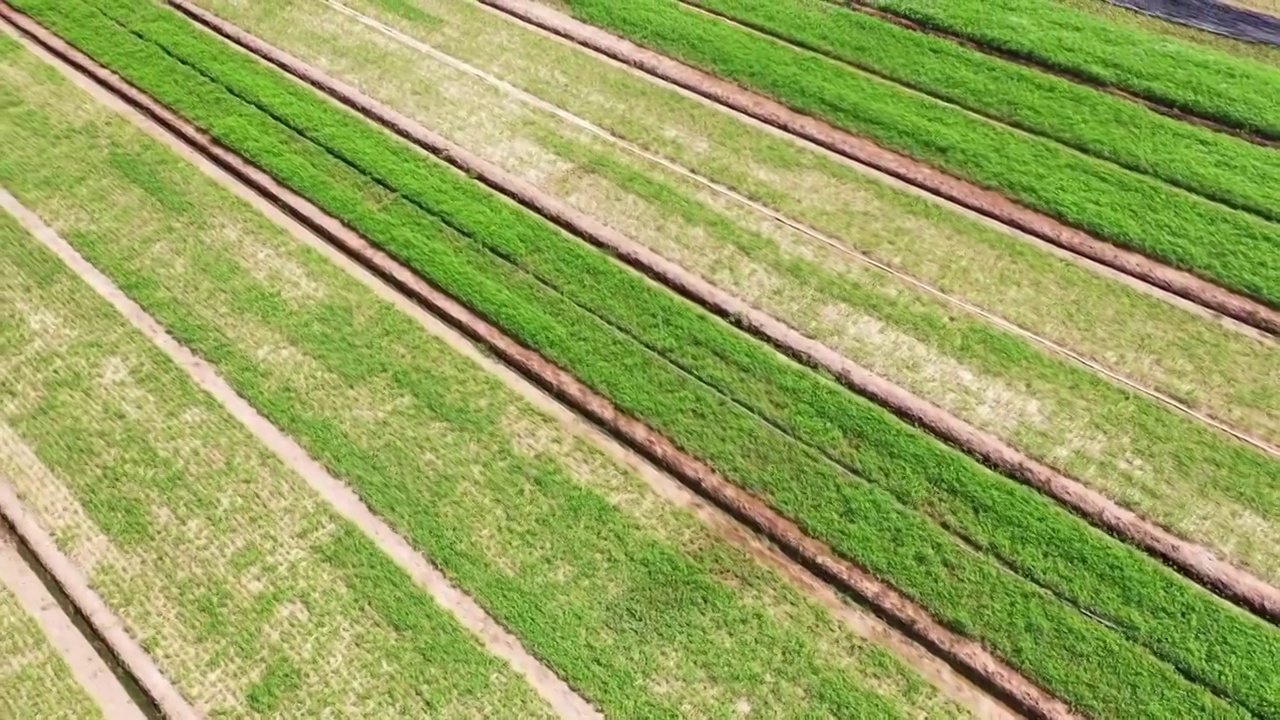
point(1084, 471)
point(192, 532)
point(1133, 210)
point(1219, 167)
point(260, 306)
point(992, 379)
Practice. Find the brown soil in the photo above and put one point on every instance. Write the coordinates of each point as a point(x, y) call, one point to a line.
point(1192, 559)
point(861, 6)
point(985, 202)
point(963, 653)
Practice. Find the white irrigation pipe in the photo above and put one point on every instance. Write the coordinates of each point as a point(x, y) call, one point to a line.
point(794, 225)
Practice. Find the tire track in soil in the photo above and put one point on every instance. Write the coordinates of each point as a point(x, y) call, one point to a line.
point(22, 574)
point(1193, 560)
point(863, 6)
point(967, 657)
point(361, 260)
point(986, 203)
point(495, 639)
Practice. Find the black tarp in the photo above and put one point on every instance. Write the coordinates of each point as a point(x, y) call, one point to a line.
point(1213, 16)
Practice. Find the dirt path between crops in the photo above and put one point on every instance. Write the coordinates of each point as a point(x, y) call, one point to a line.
point(984, 202)
point(958, 666)
point(1192, 559)
point(87, 667)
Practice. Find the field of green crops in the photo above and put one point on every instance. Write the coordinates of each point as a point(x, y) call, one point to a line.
point(643, 608)
point(1232, 248)
point(1236, 91)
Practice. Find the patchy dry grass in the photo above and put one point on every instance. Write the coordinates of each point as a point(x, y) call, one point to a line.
point(222, 563)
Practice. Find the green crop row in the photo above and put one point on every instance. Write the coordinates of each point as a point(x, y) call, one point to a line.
point(1216, 166)
point(1229, 247)
point(440, 223)
point(1235, 91)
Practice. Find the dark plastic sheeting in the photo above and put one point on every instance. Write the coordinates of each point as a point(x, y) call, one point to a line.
point(1213, 16)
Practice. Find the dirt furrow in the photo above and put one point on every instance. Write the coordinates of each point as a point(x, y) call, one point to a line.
point(23, 576)
point(967, 195)
point(1195, 561)
point(109, 630)
point(863, 7)
point(968, 657)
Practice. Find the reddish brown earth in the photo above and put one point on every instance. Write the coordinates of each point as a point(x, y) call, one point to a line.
point(1191, 559)
point(967, 195)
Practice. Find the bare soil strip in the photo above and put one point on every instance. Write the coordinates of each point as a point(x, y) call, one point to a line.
point(87, 666)
point(110, 630)
point(862, 7)
point(496, 640)
point(985, 202)
point(1195, 561)
point(967, 656)
point(800, 227)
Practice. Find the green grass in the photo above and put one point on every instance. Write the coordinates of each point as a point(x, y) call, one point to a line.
point(1121, 443)
point(34, 681)
point(216, 557)
point(1231, 248)
point(1152, 606)
point(635, 602)
point(1216, 166)
point(1235, 91)
point(1154, 27)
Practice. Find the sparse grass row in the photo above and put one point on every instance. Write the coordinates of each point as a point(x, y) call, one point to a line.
point(1229, 247)
point(1235, 91)
point(636, 603)
point(1216, 166)
point(1005, 611)
point(34, 681)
